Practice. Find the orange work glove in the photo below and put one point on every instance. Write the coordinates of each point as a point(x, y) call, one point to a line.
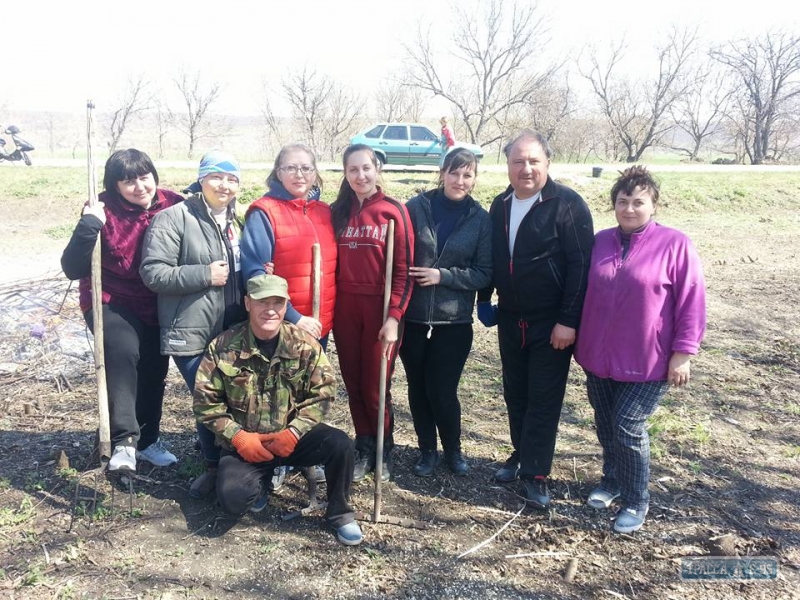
point(280, 444)
point(249, 446)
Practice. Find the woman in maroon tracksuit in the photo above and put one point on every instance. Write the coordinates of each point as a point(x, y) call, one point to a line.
point(361, 215)
point(135, 368)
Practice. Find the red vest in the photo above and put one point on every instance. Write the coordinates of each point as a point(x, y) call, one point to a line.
point(297, 225)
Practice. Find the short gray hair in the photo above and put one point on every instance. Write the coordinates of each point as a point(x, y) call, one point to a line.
point(529, 134)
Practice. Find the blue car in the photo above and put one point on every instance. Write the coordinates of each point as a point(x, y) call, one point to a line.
point(407, 144)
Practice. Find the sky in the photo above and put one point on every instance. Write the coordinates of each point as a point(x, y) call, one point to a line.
point(70, 51)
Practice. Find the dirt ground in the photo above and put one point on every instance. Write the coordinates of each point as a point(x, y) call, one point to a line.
point(725, 477)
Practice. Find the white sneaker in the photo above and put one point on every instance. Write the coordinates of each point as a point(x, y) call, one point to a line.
point(123, 459)
point(157, 454)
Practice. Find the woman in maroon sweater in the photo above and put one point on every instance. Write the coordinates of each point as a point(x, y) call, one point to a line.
point(135, 368)
point(361, 215)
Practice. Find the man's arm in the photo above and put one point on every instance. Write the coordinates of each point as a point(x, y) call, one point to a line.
point(210, 401)
point(576, 234)
point(320, 390)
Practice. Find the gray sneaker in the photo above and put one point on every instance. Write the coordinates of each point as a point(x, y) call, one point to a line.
point(278, 477)
point(350, 534)
point(157, 454)
point(629, 520)
point(601, 498)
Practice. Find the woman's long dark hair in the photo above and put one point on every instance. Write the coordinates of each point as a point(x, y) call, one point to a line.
point(340, 209)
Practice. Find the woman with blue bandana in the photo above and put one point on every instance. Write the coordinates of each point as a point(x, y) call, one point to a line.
point(191, 260)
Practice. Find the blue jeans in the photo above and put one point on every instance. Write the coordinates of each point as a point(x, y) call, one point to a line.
point(621, 410)
point(188, 366)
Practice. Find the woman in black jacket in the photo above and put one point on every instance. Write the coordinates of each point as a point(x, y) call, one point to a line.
point(452, 257)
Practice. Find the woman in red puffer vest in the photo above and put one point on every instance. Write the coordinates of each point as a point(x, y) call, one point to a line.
point(281, 228)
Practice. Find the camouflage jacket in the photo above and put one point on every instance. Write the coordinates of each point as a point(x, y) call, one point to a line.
point(237, 388)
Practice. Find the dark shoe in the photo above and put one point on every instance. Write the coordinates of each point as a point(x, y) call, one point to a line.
point(455, 462)
point(386, 468)
point(427, 463)
point(508, 472)
point(536, 493)
point(261, 502)
point(204, 484)
point(364, 463)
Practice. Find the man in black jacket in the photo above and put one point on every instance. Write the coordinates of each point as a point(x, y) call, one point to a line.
point(542, 238)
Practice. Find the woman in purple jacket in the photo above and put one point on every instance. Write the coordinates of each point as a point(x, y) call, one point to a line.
point(643, 318)
point(135, 368)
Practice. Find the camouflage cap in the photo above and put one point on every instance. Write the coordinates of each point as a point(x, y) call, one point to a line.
point(264, 286)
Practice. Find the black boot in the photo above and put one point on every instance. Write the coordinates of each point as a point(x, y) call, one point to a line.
point(386, 471)
point(427, 463)
point(455, 462)
point(365, 457)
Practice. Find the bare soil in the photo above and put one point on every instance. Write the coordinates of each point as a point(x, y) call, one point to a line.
point(725, 477)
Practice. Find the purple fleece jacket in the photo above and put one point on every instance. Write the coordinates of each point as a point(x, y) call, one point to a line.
point(640, 310)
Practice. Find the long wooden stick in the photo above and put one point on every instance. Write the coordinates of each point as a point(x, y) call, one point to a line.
point(387, 293)
point(97, 306)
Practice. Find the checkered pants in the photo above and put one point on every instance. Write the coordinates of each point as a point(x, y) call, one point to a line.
point(620, 412)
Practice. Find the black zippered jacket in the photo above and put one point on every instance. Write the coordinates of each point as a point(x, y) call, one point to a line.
point(465, 263)
point(545, 281)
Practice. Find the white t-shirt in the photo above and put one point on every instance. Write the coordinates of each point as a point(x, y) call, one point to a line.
point(519, 208)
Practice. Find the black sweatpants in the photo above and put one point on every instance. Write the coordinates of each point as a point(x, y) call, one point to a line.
point(135, 372)
point(433, 370)
point(534, 382)
point(240, 483)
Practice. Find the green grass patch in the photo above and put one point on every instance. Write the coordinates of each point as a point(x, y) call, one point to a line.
point(60, 232)
point(14, 516)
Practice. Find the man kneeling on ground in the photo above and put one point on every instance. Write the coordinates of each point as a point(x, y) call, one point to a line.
point(264, 387)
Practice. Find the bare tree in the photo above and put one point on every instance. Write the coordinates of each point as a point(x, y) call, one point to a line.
point(636, 110)
point(133, 101)
point(163, 117)
point(391, 99)
point(494, 52)
point(549, 107)
point(272, 129)
point(339, 114)
point(699, 111)
point(198, 97)
point(768, 68)
point(307, 93)
point(415, 104)
point(50, 127)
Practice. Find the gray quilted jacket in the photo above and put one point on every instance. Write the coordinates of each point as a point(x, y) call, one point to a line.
point(465, 263)
point(179, 246)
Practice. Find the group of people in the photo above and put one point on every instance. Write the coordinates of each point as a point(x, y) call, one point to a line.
point(238, 304)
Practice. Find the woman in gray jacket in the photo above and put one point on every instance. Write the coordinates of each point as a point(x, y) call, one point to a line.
point(191, 260)
point(452, 257)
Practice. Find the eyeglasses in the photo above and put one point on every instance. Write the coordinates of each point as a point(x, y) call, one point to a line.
point(295, 169)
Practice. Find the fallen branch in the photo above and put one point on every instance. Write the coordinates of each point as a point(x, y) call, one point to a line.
point(496, 533)
point(529, 554)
